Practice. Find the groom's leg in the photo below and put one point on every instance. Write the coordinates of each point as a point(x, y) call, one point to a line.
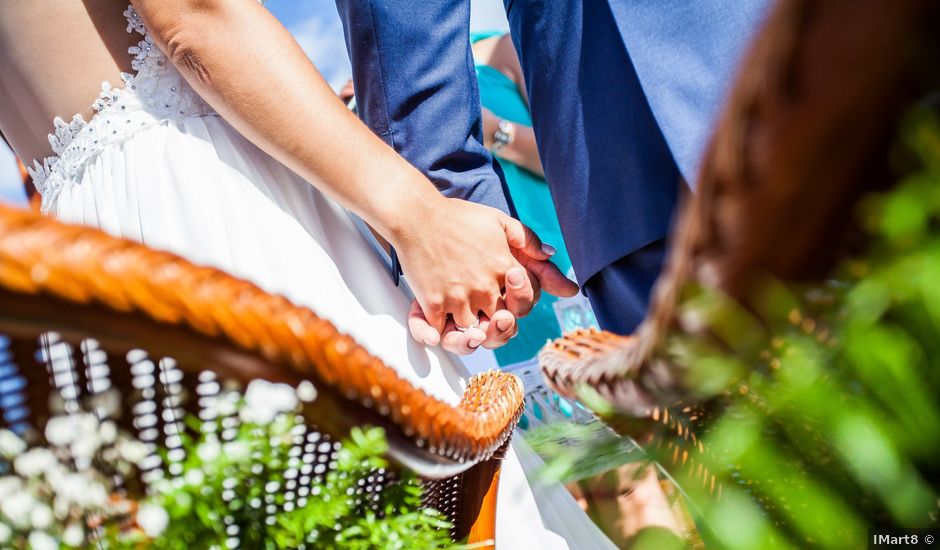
point(620, 292)
point(416, 88)
point(613, 178)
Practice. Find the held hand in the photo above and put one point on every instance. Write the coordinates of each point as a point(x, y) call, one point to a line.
point(455, 255)
point(522, 284)
point(452, 340)
point(491, 333)
point(521, 297)
point(540, 272)
point(494, 332)
point(543, 275)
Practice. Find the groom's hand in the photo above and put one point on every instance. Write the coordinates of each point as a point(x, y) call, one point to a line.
point(533, 256)
point(521, 297)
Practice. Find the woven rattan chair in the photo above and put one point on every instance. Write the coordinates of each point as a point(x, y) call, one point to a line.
point(81, 312)
point(805, 134)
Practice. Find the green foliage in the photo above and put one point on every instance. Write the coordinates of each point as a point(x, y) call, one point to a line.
point(234, 491)
point(264, 482)
point(826, 411)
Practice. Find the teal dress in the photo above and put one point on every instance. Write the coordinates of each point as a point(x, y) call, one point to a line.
point(534, 205)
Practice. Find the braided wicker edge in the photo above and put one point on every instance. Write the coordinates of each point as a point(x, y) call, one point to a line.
point(79, 265)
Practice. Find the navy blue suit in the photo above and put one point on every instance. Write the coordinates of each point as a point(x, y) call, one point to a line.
point(623, 95)
point(416, 88)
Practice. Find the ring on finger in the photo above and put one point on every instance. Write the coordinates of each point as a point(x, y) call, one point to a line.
point(461, 328)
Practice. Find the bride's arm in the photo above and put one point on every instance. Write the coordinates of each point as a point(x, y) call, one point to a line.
point(249, 68)
point(245, 64)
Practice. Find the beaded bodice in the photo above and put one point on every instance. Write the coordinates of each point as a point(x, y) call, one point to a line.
point(154, 94)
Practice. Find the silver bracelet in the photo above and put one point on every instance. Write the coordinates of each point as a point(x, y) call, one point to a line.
point(504, 134)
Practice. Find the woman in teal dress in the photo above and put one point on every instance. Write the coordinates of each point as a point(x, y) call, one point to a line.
point(507, 131)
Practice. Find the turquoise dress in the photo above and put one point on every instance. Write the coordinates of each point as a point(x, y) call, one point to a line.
point(534, 205)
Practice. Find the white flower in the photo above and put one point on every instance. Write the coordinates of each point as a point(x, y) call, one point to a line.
point(95, 495)
point(264, 400)
point(11, 444)
point(17, 508)
point(237, 451)
point(208, 451)
point(87, 424)
point(195, 477)
point(9, 485)
point(78, 489)
point(35, 462)
point(73, 535)
point(78, 432)
point(42, 541)
point(152, 519)
point(41, 516)
point(108, 432)
point(132, 450)
point(5, 533)
point(61, 507)
point(62, 430)
point(87, 446)
point(66, 429)
point(224, 404)
point(67, 487)
point(306, 391)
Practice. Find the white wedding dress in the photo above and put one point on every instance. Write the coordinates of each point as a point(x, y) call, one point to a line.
point(157, 165)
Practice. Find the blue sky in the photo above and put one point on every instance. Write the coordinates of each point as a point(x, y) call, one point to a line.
point(10, 187)
point(317, 28)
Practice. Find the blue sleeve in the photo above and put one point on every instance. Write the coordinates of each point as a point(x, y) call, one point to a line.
point(416, 88)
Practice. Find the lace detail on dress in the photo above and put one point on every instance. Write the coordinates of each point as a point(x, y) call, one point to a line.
point(156, 94)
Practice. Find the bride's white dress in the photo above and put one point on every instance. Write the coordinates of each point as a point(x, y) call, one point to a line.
point(157, 165)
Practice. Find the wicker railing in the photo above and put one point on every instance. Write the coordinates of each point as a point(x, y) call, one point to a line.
point(81, 283)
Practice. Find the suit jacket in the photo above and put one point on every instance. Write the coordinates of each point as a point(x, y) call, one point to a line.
point(685, 55)
point(624, 94)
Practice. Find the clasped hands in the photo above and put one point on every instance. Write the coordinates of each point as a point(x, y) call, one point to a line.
point(474, 271)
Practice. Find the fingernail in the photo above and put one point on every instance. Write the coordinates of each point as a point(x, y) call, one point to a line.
point(429, 342)
point(515, 278)
point(504, 324)
point(548, 249)
point(474, 344)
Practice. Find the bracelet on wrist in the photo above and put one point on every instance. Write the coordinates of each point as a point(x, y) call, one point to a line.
point(504, 134)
